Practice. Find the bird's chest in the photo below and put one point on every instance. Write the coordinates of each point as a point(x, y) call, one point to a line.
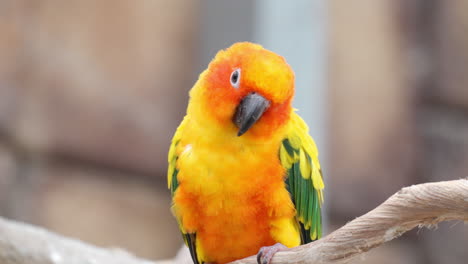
point(228, 181)
point(230, 198)
point(228, 171)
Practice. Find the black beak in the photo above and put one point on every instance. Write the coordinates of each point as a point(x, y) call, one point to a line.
point(250, 109)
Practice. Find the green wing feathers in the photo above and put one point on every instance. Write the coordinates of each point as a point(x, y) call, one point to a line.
point(172, 157)
point(299, 156)
point(172, 182)
point(172, 170)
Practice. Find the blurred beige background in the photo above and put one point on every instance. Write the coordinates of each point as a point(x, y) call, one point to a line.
point(91, 92)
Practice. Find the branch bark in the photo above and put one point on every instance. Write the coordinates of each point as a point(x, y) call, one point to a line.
point(418, 205)
point(422, 205)
point(25, 244)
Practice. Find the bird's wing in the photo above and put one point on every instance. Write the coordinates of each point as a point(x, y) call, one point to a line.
point(299, 156)
point(173, 183)
point(172, 157)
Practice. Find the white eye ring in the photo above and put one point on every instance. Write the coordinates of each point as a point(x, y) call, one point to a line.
point(235, 78)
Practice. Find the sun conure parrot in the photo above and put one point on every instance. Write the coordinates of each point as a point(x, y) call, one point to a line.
point(243, 170)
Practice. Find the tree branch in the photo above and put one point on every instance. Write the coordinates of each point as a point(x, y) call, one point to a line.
point(24, 244)
point(418, 205)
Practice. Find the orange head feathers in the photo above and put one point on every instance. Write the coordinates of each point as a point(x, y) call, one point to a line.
point(245, 88)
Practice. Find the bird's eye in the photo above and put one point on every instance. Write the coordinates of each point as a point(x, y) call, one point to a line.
point(235, 78)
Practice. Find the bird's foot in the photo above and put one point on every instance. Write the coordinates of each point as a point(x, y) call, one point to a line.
point(265, 254)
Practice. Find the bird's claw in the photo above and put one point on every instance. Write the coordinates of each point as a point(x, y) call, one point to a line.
point(265, 254)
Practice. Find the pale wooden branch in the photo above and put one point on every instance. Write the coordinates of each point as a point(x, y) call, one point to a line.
point(416, 206)
point(25, 244)
point(419, 205)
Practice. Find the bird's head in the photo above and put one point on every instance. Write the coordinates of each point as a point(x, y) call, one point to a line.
point(246, 89)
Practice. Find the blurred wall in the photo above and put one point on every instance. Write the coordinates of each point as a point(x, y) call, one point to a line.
point(90, 94)
point(398, 113)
